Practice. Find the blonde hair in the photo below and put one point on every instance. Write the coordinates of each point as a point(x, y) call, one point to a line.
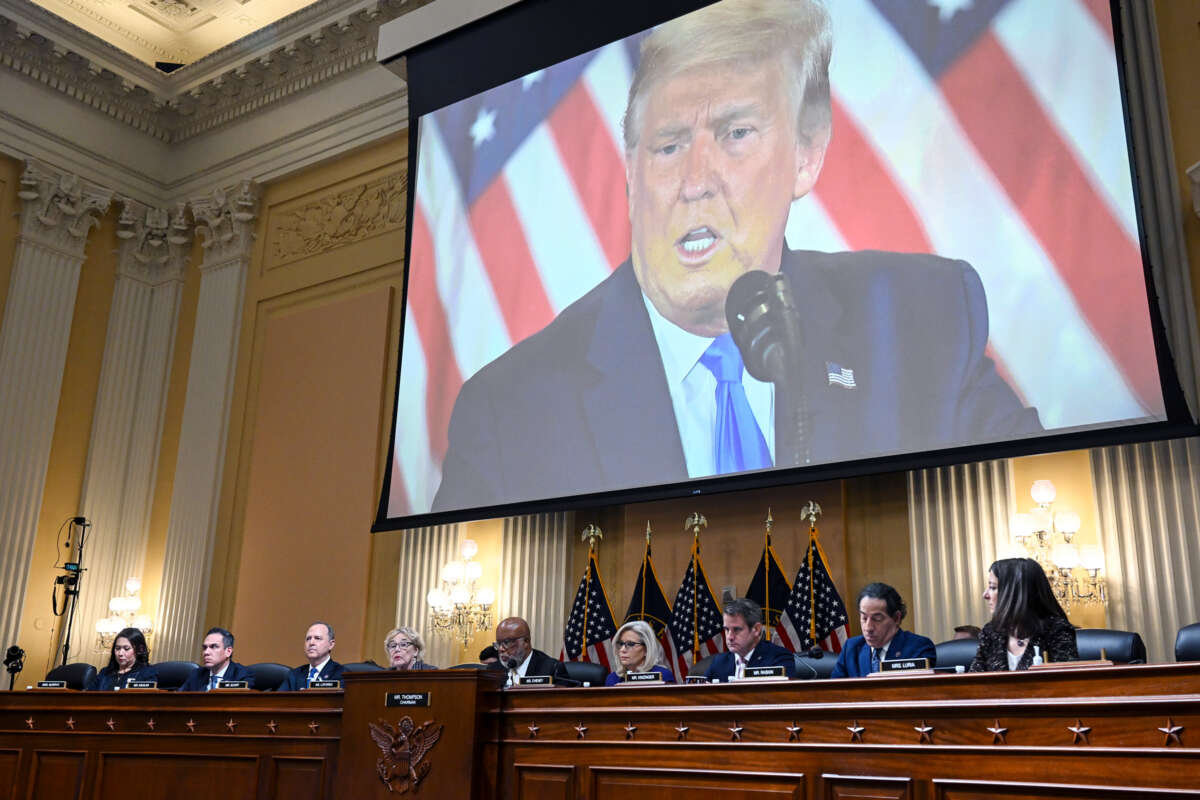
point(740, 33)
point(654, 651)
point(410, 634)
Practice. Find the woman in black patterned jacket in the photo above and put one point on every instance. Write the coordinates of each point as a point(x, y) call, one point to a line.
point(1026, 619)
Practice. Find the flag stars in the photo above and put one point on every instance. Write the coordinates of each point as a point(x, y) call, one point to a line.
point(532, 79)
point(948, 8)
point(483, 129)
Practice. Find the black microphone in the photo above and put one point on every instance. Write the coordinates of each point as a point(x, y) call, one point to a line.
point(815, 652)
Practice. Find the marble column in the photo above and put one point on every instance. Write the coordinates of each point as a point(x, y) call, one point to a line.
point(57, 212)
point(226, 224)
point(122, 464)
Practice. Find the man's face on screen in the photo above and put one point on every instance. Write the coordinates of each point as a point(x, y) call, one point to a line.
point(711, 181)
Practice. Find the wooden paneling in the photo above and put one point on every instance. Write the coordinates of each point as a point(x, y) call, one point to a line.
point(10, 762)
point(543, 782)
point(861, 787)
point(621, 783)
point(996, 790)
point(298, 778)
point(57, 775)
point(146, 776)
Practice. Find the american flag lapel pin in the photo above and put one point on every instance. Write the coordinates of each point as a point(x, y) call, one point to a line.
point(839, 375)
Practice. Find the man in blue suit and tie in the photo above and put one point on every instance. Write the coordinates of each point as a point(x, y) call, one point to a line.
point(217, 654)
point(318, 644)
point(639, 383)
point(880, 609)
point(747, 648)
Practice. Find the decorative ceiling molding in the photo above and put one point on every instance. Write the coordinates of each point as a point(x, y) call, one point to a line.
point(314, 46)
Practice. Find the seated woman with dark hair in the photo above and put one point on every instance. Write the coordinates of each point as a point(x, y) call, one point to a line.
point(638, 650)
point(1027, 620)
point(128, 660)
point(405, 647)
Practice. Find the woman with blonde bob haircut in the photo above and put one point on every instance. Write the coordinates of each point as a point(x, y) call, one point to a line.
point(638, 650)
point(405, 647)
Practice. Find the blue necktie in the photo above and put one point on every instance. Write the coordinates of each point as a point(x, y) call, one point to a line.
point(876, 657)
point(312, 674)
point(212, 681)
point(738, 444)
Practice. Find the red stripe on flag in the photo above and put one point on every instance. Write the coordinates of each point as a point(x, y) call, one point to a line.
point(443, 379)
point(857, 191)
point(1100, 265)
point(516, 283)
point(397, 496)
point(1099, 10)
point(596, 168)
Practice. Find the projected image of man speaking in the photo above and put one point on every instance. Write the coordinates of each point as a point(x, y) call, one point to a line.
point(639, 382)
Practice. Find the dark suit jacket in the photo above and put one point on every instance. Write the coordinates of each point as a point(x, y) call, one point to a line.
point(297, 679)
point(766, 654)
point(583, 405)
point(855, 659)
point(1056, 640)
point(539, 664)
point(106, 680)
point(198, 680)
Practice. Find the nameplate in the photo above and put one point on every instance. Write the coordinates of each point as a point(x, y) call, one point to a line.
point(903, 664)
point(534, 680)
point(141, 685)
point(51, 684)
point(643, 677)
point(696, 679)
point(233, 684)
point(407, 700)
point(324, 684)
point(763, 673)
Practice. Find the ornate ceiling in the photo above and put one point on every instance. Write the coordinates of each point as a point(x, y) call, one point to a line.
point(175, 31)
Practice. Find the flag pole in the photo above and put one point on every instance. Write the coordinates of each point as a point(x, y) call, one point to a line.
point(695, 522)
point(811, 512)
point(767, 575)
point(590, 534)
point(645, 561)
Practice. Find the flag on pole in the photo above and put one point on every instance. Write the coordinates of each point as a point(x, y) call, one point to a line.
point(814, 613)
point(696, 625)
point(649, 604)
point(590, 625)
point(770, 589)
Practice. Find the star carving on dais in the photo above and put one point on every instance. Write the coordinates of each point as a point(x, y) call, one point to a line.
point(1171, 733)
point(856, 732)
point(150, 723)
point(272, 726)
point(191, 726)
point(111, 723)
point(231, 725)
point(71, 723)
point(1080, 732)
point(735, 732)
point(794, 731)
point(630, 730)
point(998, 733)
point(314, 726)
point(29, 722)
point(926, 732)
point(533, 730)
point(681, 731)
point(581, 731)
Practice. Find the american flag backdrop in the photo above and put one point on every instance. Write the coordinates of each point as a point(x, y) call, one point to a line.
point(697, 625)
point(987, 130)
point(814, 613)
point(649, 603)
point(590, 624)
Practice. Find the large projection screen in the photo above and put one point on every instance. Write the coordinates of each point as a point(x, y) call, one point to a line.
point(959, 225)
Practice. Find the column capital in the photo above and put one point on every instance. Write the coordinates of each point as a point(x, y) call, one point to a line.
point(225, 218)
point(59, 208)
point(154, 242)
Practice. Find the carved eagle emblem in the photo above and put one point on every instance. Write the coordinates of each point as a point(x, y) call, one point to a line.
point(403, 749)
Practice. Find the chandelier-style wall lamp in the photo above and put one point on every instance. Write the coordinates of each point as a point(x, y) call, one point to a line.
point(1046, 534)
point(458, 608)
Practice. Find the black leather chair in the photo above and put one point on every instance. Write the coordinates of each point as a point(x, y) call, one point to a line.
point(269, 676)
point(1187, 643)
point(956, 652)
point(1120, 647)
point(172, 674)
point(362, 666)
point(586, 672)
point(77, 675)
point(823, 666)
point(700, 666)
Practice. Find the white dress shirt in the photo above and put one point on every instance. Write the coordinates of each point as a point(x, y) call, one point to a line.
point(519, 672)
point(740, 664)
point(694, 394)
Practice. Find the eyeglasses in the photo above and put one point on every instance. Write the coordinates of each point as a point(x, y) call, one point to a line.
point(629, 645)
point(391, 646)
point(504, 644)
